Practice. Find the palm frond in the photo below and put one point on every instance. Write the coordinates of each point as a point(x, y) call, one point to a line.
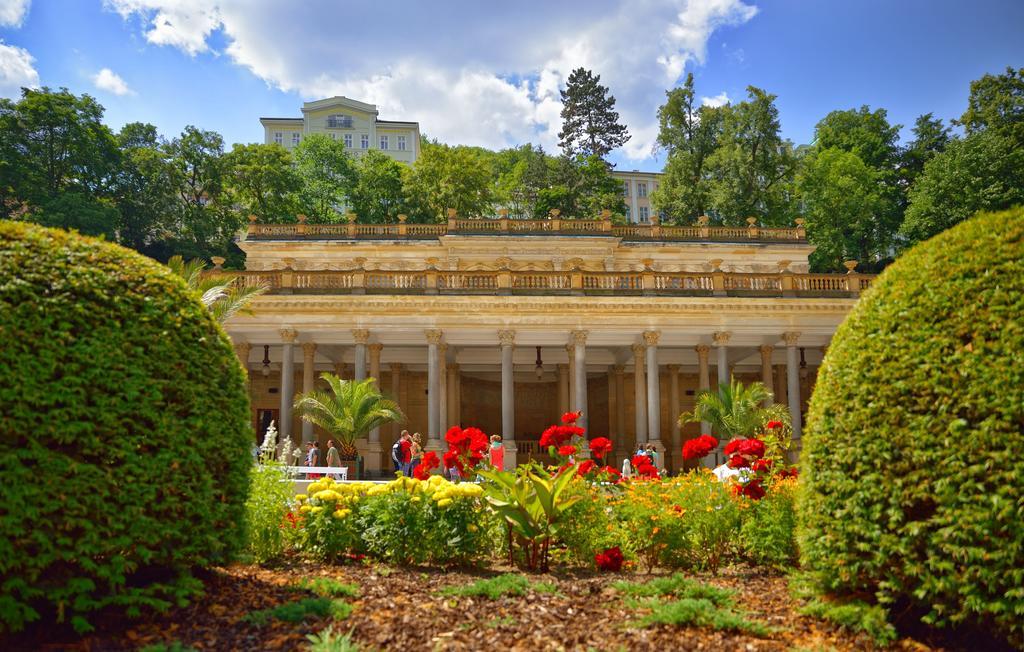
point(220, 293)
point(735, 409)
point(348, 409)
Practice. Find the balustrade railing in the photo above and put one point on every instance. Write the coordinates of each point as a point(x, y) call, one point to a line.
point(647, 282)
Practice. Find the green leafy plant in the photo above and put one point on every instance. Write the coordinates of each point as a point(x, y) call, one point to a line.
point(588, 527)
point(768, 533)
point(533, 503)
point(327, 640)
point(347, 410)
point(736, 410)
point(267, 506)
point(300, 610)
point(126, 445)
point(698, 613)
point(328, 587)
point(173, 646)
point(498, 586)
point(851, 614)
point(912, 459)
point(220, 292)
point(676, 585)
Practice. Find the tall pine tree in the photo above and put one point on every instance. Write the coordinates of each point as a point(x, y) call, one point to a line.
point(590, 124)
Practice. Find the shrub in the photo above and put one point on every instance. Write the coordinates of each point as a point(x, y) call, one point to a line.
point(266, 511)
point(768, 533)
point(912, 458)
point(588, 528)
point(126, 441)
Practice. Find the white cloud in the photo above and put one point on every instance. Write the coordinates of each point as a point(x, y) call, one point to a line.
point(108, 80)
point(718, 100)
point(483, 74)
point(16, 70)
point(13, 12)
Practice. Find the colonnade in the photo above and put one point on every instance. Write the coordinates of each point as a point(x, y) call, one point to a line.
point(443, 388)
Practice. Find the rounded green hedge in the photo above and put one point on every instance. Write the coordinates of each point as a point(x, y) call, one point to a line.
point(913, 462)
point(124, 431)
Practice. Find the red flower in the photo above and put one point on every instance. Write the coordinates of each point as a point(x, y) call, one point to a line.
point(571, 417)
point(732, 446)
point(738, 462)
point(699, 447)
point(600, 446)
point(788, 473)
point(761, 465)
point(753, 490)
point(585, 467)
point(567, 450)
point(772, 425)
point(754, 447)
point(644, 467)
point(609, 560)
point(613, 474)
point(558, 435)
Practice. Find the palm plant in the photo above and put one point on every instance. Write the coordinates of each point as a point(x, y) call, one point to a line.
point(219, 292)
point(348, 410)
point(735, 409)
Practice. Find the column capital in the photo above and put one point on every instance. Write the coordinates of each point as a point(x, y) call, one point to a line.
point(434, 335)
point(309, 349)
point(619, 369)
point(766, 350)
point(721, 337)
point(570, 348)
point(453, 366)
point(360, 335)
point(396, 367)
point(507, 337)
point(672, 368)
point(637, 348)
point(288, 335)
point(702, 351)
point(651, 337)
point(790, 338)
point(375, 348)
point(579, 337)
point(242, 349)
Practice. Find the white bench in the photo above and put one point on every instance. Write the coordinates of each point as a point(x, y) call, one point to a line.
point(336, 472)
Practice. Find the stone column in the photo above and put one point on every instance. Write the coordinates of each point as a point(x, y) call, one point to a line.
point(620, 412)
point(563, 388)
point(308, 384)
point(639, 396)
point(452, 394)
point(507, 339)
point(361, 336)
point(373, 451)
point(433, 389)
point(793, 382)
point(284, 429)
point(703, 379)
point(653, 389)
point(396, 394)
point(673, 408)
point(442, 382)
point(579, 339)
point(571, 350)
point(766, 371)
point(722, 365)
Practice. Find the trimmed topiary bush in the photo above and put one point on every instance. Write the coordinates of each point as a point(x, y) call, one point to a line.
point(124, 431)
point(913, 458)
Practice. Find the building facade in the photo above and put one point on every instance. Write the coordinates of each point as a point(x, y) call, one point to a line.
point(352, 122)
point(636, 192)
point(506, 324)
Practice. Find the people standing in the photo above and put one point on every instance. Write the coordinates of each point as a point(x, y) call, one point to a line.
point(497, 453)
point(415, 453)
point(398, 452)
point(333, 457)
point(314, 459)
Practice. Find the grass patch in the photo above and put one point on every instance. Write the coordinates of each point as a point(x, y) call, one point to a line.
point(699, 612)
point(495, 587)
point(296, 612)
point(854, 616)
point(328, 640)
point(677, 586)
point(173, 646)
point(328, 587)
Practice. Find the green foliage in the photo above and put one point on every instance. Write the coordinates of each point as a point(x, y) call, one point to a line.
point(852, 615)
point(262, 181)
point(495, 587)
point(220, 293)
point(996, 103)
point(328, 587)
point(349, 410)
point(300, 610)
point(590, 124)
point(378, 195)
point(677, 586)
point(587, 528)
point(449, 177)
point(173, 646)
point(911, 454)
point(265, 510)
point(768, 533)
point(864, 133)
point(327, 640)
point(736, 410)
point(690, 612)
point(328, 177)
point(126, 447)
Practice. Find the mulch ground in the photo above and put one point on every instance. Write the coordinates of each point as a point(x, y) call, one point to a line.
point(400, 609)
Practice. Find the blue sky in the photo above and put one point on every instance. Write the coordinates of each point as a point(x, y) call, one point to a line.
point(488, 73)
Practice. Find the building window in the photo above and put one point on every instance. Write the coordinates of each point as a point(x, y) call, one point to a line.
point(364, 141)
point(278, 137)
point(627, 212)
point(383, 142)
point(641, 189)
point(348, 140)
point(339, 121)
point(644, 214)
point(625, 189)
point(296, 137)
point(401, 143)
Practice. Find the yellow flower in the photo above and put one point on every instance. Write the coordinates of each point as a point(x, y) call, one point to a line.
point(472, 528)
point(327, 495)
point(305, 509)
point(444, 503)
point(342, 513)
point(301, 497)
point(414, 499)
point(317, 510)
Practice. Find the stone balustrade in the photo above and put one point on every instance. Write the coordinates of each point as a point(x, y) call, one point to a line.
point(648, 282)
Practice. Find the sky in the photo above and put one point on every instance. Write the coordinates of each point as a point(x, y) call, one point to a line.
point(488, 74)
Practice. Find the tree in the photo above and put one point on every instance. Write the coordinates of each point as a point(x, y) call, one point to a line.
point(751, 172)
point(521, 174)
point(984, 171)
point(262, 181)
point(348, 410)
point(144, 189)
point(590, 124)
point(690, 135)
point(930, 138)
point(996, 103)
point(735, 410)
point(222, 295)
point(328, 177)
point(843, 201)
point(863, 132)
point(378, 195)
point(446, 177)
